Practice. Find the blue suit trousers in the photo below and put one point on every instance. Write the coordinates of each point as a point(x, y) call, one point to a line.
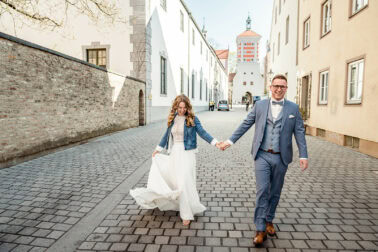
point(270, 174)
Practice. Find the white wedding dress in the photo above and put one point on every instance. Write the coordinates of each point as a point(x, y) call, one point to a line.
point(172, 179)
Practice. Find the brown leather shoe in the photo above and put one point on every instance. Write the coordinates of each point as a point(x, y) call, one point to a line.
point(259, 238)
point(270, 229)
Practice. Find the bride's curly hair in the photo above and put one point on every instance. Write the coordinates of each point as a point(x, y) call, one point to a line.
point(189, 112)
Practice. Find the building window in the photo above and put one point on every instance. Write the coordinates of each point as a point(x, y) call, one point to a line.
point(193, 84)
point(278, 43)
point(181, 21)
point(201, 47)
point(355, 81)
point(244, 83)
point(306, 33)
point(181, 80)
point(251, 83)
point(358, 5)
point(201, 89)
point(323, 87)
point(163, 75)
point(279, 7)
point(275, 15)
point(273, 52)
point(207, 55)
point(163, 4)
point(193, 37)
point(207, 89)
point(287, 30)
point(97, 57)
point(326, 17)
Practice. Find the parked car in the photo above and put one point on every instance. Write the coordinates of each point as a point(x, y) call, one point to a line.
point(256, 98)
point(223, 105)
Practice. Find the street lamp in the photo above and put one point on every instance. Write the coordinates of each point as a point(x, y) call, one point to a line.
point(270, 75)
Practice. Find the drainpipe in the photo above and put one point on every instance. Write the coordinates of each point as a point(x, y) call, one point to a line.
point(189, 17)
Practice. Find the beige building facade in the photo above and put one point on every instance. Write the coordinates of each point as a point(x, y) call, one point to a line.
point(337, 71)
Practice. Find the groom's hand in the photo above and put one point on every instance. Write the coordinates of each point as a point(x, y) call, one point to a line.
point(225, 145)
point(303, 163)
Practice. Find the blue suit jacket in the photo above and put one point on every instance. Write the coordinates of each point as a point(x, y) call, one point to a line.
point(292, 123)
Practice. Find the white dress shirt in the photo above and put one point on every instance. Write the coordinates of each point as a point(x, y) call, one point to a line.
point(275, 108)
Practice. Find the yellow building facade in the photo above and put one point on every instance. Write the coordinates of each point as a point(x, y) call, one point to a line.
point(337, 71)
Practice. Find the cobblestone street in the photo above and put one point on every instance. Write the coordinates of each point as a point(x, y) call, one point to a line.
point(77, 199)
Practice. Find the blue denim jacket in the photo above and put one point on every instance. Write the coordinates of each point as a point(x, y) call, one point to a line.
point(190, 135)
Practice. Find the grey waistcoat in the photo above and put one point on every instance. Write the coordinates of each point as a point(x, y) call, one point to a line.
point(271, 139)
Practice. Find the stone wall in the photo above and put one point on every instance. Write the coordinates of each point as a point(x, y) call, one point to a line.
point(49, 100)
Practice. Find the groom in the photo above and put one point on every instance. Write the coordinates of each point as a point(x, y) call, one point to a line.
point(277, 119)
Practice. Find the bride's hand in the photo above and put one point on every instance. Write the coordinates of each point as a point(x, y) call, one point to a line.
point(154, 153)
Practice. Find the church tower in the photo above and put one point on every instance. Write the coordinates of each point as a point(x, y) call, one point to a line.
point(248, 81)
point(248, 44)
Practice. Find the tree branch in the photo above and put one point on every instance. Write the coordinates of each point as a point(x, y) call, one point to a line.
point(47, 13)
point(35, 16)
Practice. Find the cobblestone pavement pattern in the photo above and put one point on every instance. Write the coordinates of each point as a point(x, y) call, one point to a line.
point(333, 206)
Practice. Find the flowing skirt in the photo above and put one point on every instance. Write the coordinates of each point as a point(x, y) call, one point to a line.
point(172, 184)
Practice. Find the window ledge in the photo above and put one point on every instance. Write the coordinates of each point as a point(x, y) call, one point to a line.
point(353, 103)
point(325, 34)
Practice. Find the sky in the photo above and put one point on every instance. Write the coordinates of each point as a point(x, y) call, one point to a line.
point(226, 19)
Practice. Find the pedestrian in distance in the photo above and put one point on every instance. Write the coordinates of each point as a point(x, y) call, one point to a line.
point(277, 120)
point(172, 179)
point(247, 106)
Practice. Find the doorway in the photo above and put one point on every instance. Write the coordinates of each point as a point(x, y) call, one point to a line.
point(141, 108)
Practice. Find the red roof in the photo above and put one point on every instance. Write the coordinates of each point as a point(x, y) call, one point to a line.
point(249, 33)
point(231, 77)
point(222, 54)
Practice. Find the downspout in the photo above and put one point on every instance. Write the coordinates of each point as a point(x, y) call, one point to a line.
point(189, 16)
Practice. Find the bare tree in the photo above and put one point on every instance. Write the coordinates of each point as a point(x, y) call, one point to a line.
point(53, 13)
point(232, 62)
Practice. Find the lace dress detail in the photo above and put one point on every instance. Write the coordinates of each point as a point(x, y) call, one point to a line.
point(178, 129)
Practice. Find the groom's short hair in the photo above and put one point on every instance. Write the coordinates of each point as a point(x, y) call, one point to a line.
point(279, 76)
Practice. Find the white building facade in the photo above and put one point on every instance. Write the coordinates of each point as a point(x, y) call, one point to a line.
point(248, 81)
point(282, 45)
point(182, 61)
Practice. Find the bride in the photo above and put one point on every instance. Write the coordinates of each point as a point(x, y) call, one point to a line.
point(172, 179)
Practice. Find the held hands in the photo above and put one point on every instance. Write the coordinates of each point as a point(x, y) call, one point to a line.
point(222, 145)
